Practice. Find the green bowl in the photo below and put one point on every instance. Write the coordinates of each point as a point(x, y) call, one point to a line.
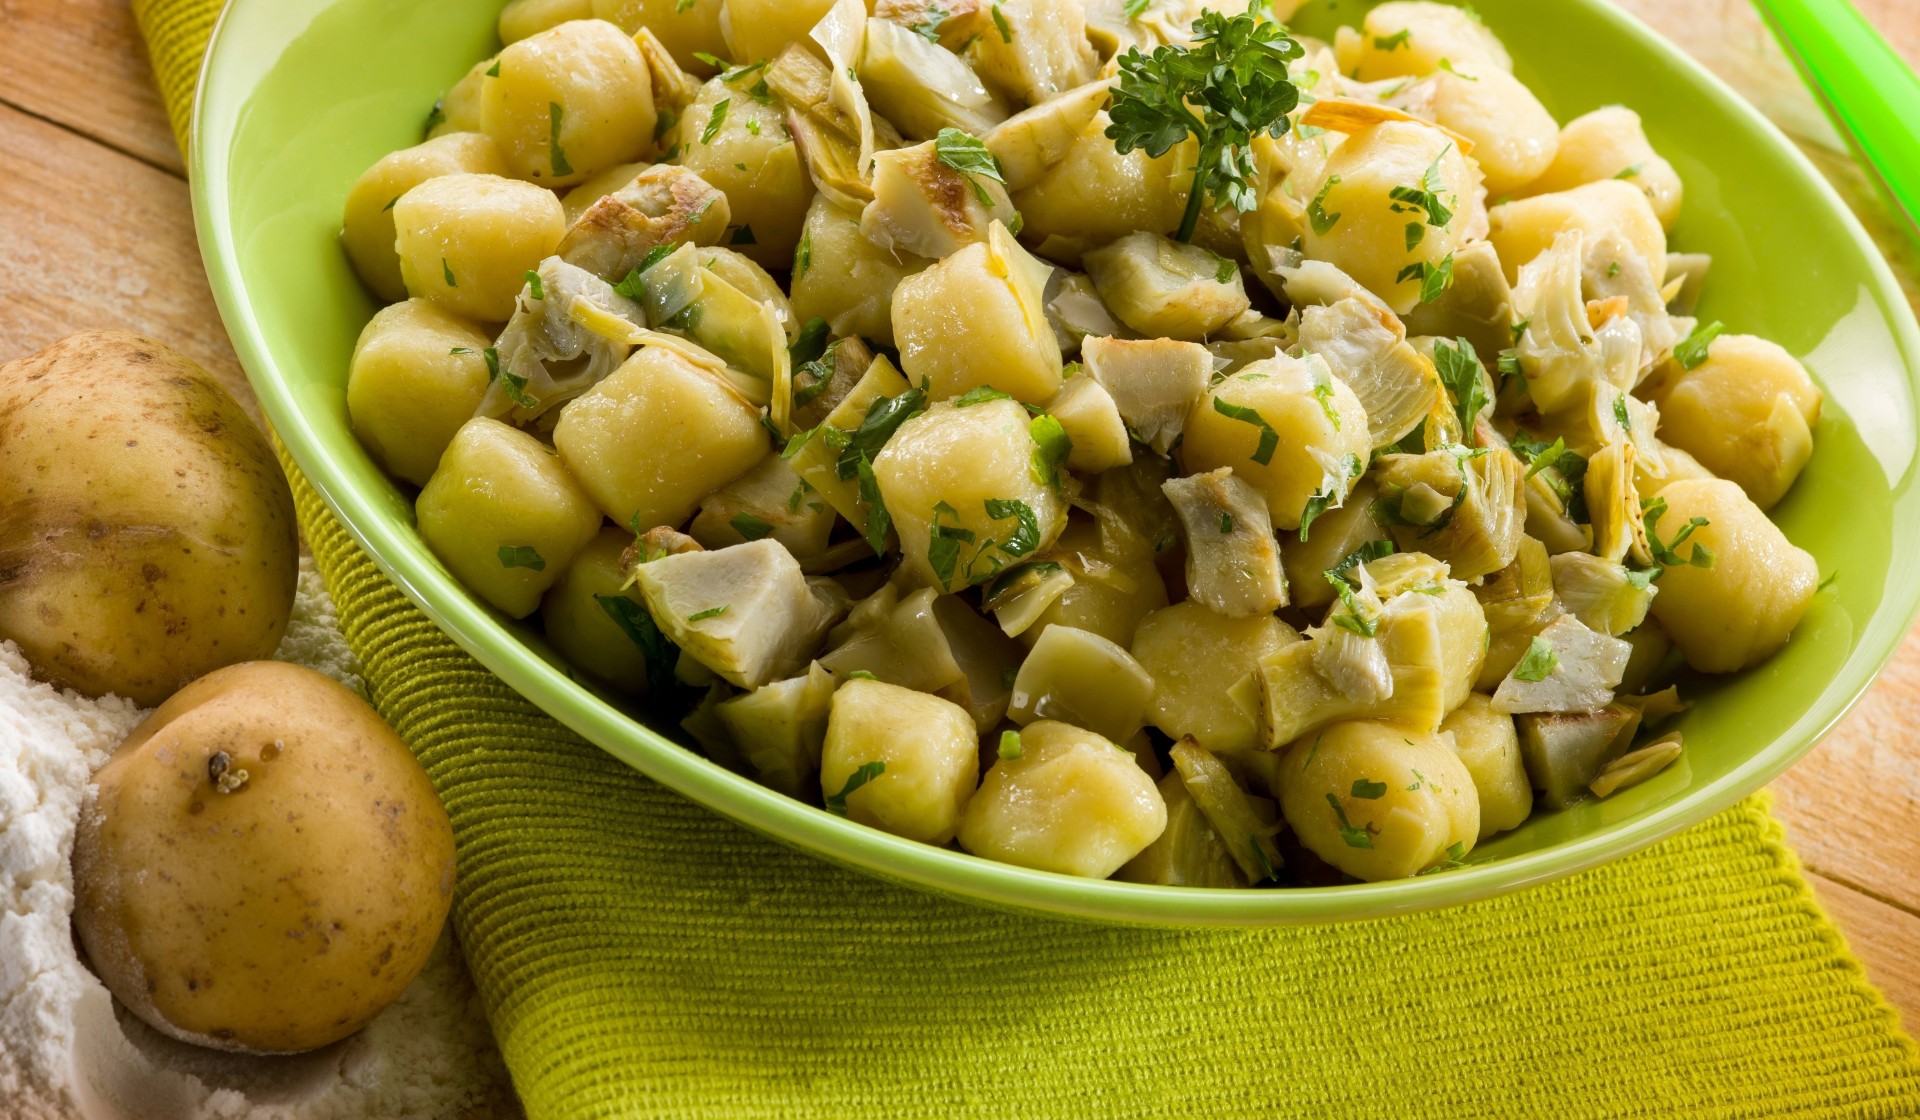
point(300, 95)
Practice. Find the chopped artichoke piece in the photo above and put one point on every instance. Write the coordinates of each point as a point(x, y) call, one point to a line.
point(1075, 310)
point(1336, 535)
point(1637, 766)
point(1565, 751)
point(1518, 594)
point(1083, 679)
point(1233, 560)
point(840, 276)
point(1613, 502)
point(1249, 839)
point(924, 206)
point(545, 356)
point(780, 728)
point(1651, 648)
point(1037, 50)
point(663, 205)
point(832, 158)
point(1019, 598)
point(1567, 668)
point(897, 639)
point(1230, 356)
point(1686, 279)
point(1560, 351)
point(704, 727)
point(1365, 346)
point(1190, 650)
point(951, 23)
point(820, 385)
point(1033, 140)
point(746, 612)
point(987, 659)
point(922, 87)
point(1603, 595)
point(1092, 421)
point(1611, 270)
point(661, 540)
point(1478, 306)
point(1115, 581)
point(1479, 530)
point(819, 463)
point(768, 501)
point(1096, 194)
point(1163, 288)
point(1153, 382)
point(1189, 853)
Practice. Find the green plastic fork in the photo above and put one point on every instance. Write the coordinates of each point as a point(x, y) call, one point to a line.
point(1868, 90)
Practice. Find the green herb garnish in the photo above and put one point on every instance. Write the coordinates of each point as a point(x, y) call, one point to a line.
point(539, 290)
point(1668, 555)
point(1010, 745)
point(1537, 662)
point(944, 541)
point(1691, 351)
point(555, 154)
point(750, 527)
point(837, 802)
point(1394, 41)
point(1000, 23)
point(715, 120)
point(966, 154)
point(1459, 368)
point(1355, 837)
point(980, 394)
point(1269, 438)
point(522, 556)
point(634, 621)
point(1052, 445)
point(1317, 215)
point(710, 612)
point(1368, 790)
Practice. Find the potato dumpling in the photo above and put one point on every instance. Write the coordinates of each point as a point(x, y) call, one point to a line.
point(656, 436)
point(687, 28)
point(1095, 195)
point(416, 375)
point(1489, 747)
point(523, 18)
point(1196, 656)
point(740, 144)
point(568, 102)
point(597, 186)
point(367, 229)
point(979, 318)
point(1379, 801)
point(1610, 143)
point(899, 760)
point(960, 483)
point(468, 241)
point(840, 276)
point(1746, 413)
point(503, 515)
point(1355, 223)
point(1070, 801)
point(1115, 584)
point(458, 110)
point(1164, 288)
point(590, 614)
point(1739, 609)
point(1286, 426)
point(146, 532)
point(1514, 137)
point(1043, 53)
point(757, 29)
point(1335, 535)
point(266, 865)
point(1079, 677)
point(1523, 229)
point(1409, 38)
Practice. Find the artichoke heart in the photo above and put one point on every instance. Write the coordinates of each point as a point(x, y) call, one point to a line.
point(1612, 270)
point(780, 728)
point(1613, 501)
point(746, 612)
point(1165, 289)
point(1034, 139)
point(546, 354)
point(922, 87)
point(1078, 677)
point(664, 205)
point(1479, 531)
point(1189, 853)
point(1567, 668)
point(1233, 560)
point(1365, 345)
point(1560, 351)
point(1603, 595)
point(923, 206)
point(1249, 838)
point(1153, 382)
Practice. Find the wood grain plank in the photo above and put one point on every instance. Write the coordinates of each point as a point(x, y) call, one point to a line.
point(93, 238)
point(81, 63)
point(1885, 938)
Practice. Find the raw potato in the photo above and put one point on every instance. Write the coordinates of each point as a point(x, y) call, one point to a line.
point(1738, 612)
point(1319, 448)
point(1746, 413)
point(583, 627)
point(1610, 143)
point(266, 866)
point(929, 750)
point(367, 230)
point(467, 241)
point(1489, 747)
point(503, 515)
point(1196, 657)
point(1379, 801)
point(656, 436)
point(979, 318)
point(146, 532)
point(569, 101)
point(417, 374)
point(1073, 802)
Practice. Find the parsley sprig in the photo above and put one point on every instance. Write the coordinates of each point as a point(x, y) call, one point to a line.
point(1229, 85)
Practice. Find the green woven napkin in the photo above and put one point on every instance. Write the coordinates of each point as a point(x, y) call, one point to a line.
point(640, 956)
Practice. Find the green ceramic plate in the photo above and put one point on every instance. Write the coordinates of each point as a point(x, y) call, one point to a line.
point(300, 95)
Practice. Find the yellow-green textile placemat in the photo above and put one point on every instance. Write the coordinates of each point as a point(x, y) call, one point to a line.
point(642, 957)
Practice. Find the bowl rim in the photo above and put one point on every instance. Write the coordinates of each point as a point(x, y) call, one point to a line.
point(227, 77)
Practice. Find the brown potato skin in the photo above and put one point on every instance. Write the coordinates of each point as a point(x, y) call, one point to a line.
point(280, 916)
point(146, 532)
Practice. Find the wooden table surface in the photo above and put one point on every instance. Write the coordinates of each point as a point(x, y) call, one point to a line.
point(95, 231)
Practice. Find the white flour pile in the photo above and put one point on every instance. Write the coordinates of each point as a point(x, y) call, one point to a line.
point(67, 1053)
